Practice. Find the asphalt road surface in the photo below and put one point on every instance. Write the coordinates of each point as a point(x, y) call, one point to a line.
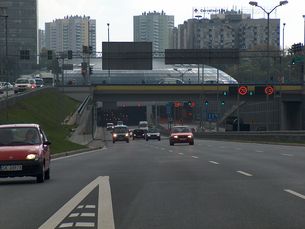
point(145, 185)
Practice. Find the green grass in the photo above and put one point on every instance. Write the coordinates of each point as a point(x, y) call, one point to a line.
point(49, 109)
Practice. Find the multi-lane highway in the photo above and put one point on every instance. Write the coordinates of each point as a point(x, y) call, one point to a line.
point(140, 184)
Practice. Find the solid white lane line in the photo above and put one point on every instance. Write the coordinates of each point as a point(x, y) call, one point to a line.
point(77, 155)
point(295, 193)
point(287, 154)
point(81, 224)
point(105, 210)
point(214, 162)
point(195, 157)
point(244, 173)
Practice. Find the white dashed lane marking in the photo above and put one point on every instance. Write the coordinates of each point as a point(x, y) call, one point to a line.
point(244, 173)
point(295, 193)
point(287, 154)
point(214, 162)
point(195, 157)
point(181, 153)
point(259, 151)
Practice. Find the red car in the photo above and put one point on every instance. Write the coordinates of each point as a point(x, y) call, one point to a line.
point(181, 134)
point(24, 151)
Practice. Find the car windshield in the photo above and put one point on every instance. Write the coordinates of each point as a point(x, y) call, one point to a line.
point(22, 81)
point(181, 130)
point(19, 136)
point(153, 130)
point(120, 129)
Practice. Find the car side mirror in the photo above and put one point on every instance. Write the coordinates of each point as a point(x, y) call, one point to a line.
point(47, 143)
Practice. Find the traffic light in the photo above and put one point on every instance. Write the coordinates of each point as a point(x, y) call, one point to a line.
point(222, 103)
point(251, 93)
point(90, 70)
point(206, 103)
point(225, 93)
point(70, 54)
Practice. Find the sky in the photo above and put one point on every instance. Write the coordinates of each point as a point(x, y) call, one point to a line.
point(119, 14)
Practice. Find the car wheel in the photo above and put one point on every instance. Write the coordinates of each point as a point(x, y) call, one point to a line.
point(171, 143)
point(41, 176)
point(147, 139)
point(113, 142)
point(191, 143)
point(127, 141)
point(47, 174)
point(159, 139)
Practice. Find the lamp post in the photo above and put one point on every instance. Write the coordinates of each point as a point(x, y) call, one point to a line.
point(281, 3)
point(284, 24)
point(3, 13)
point(304, 28)
point(182, 72)
point(252, 3)
point(108, 54)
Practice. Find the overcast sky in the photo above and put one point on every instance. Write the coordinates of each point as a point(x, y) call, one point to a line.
point(119, 13)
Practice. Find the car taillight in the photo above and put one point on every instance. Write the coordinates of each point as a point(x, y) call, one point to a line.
point(33, 86)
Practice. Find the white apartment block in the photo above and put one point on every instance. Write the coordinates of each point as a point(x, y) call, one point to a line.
point(71, 33)
point(154, 27)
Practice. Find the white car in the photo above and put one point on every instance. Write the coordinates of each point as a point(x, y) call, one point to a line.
point(23, 84)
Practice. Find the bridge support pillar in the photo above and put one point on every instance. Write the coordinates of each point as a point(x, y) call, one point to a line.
point(149, 113)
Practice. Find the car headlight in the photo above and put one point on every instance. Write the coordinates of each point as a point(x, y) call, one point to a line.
point(175, 136)
point(148, 135)
point(31, 157)
point(114, 135)
point(190, 136)
point(126, 135)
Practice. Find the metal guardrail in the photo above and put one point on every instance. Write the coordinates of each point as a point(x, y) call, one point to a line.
point(81, 108)
point(257, 136)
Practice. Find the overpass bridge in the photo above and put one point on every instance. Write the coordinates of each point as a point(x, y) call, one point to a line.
point(284, 109)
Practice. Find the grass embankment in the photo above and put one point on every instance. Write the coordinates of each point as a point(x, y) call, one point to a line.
point(49, 109)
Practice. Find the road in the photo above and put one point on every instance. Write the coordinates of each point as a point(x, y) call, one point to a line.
point(213, 185)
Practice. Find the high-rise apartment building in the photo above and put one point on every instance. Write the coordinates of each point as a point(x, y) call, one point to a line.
point(71, 33)
point(229, 29)
point(156, 28)
point(41, 40)
point(20, 39)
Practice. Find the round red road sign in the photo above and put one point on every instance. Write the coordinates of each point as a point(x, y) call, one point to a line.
point(243, 90)
point(269, 90)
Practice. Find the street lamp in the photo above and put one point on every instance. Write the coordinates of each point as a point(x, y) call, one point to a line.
point(281, 3)
point(3, 13)
point(108, 53)
point(304, 29)
point(182, 72)
point(253, 3)
point(284, 24)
